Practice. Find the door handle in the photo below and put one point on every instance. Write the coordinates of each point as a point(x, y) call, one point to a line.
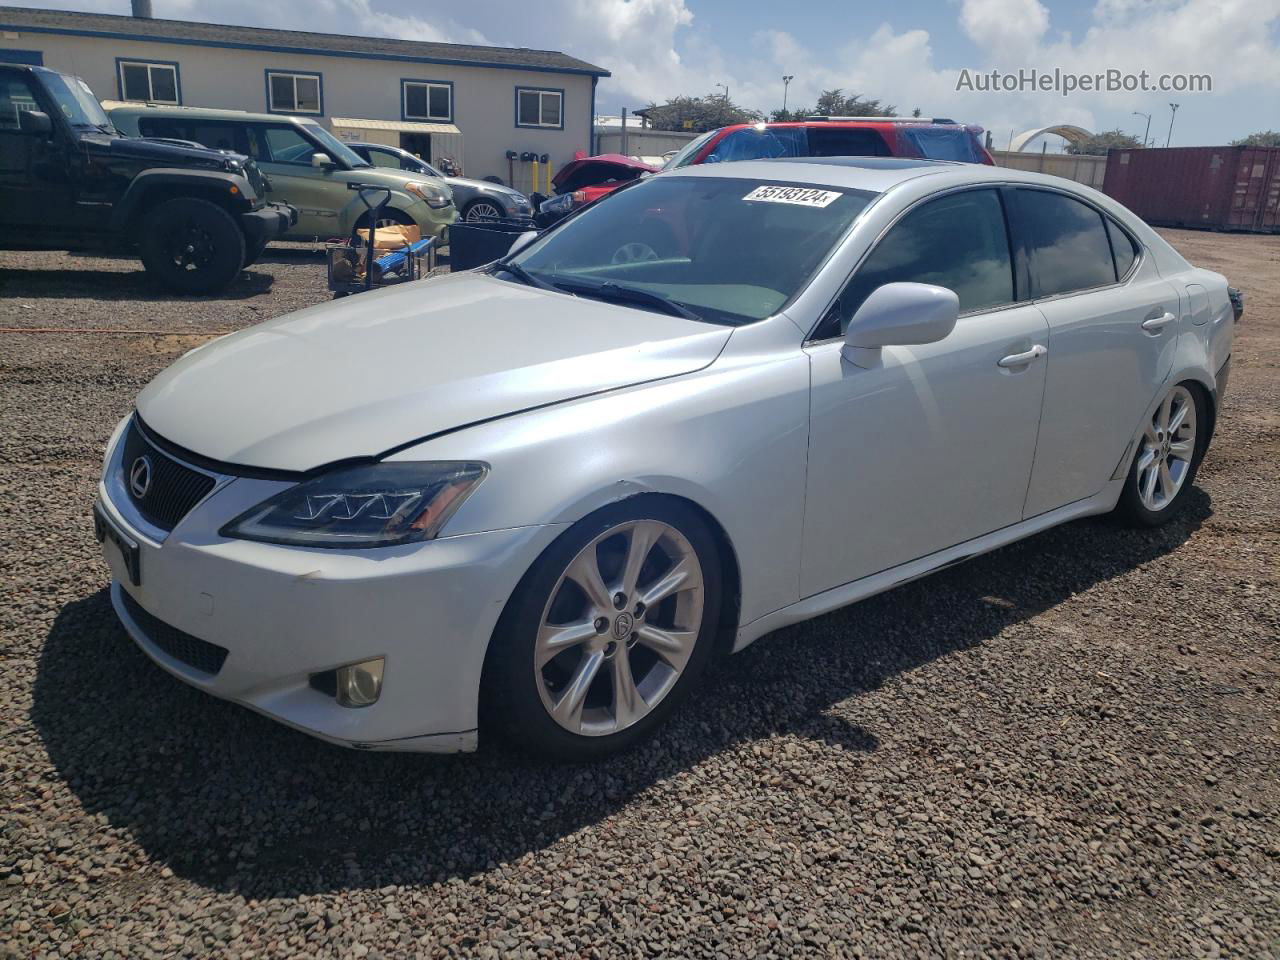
point(1155, 324)
point(1021, 359)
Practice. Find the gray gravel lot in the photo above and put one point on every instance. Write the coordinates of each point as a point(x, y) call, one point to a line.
point(1066, 748)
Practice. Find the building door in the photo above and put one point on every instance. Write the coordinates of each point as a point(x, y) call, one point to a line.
point(419, 144)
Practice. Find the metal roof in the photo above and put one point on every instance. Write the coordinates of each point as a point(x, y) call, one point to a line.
point(400, 126)
point(27, 19)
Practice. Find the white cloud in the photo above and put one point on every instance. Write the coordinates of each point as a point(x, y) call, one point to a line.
point(1003, 27)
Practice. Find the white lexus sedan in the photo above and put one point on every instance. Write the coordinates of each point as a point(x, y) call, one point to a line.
point(538, 498)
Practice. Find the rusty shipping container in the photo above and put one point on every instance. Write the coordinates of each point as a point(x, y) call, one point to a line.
point(1211, 188)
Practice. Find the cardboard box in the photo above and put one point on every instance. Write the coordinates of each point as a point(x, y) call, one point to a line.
point(391, 237)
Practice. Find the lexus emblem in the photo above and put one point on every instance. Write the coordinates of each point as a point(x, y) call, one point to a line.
point(140, 476)
point(622, 626)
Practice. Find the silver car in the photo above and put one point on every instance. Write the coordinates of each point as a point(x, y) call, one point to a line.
point(475, 199)
point(539, 498)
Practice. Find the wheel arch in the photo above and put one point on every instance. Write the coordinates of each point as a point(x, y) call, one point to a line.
point(152, 187)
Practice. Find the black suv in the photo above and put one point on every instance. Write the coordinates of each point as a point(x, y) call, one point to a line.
point(70, 181)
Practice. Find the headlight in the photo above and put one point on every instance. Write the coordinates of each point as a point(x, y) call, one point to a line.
point(371, 505)
point(560, 204)
point(433, 195)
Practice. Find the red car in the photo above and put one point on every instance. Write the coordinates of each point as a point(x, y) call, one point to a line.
point(584, 179)
point(936, 139)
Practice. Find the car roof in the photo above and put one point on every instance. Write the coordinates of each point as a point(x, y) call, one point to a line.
point(877, 174)
point(208, 113)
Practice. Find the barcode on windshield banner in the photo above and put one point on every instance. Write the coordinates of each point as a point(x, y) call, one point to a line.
point(804, 196)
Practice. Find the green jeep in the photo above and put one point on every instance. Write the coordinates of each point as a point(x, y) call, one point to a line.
point(306, 165)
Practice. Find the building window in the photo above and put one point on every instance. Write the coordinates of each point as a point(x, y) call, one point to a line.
point(427, 100)
point(294, 92)
point(148, 81)
point(539, 108)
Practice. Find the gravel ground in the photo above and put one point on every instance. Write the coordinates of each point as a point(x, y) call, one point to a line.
point(1067, 748)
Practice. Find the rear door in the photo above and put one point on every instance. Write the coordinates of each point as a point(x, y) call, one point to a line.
point(1113, 323)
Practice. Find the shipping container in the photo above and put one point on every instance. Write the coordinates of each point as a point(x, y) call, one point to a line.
point(1210, 188)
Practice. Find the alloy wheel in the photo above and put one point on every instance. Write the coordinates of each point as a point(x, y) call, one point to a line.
point(190, 247)
point(634, 252)
point(1168, 449)
point(482, 210)
point(619, 628)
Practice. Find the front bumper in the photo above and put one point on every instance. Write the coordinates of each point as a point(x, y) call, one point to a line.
point(268, 222)
point(432, 221)
point(282, 614)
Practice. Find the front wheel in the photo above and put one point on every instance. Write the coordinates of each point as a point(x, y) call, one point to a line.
point(1168, 457)
point(482, 210)
point(191, 246)
point(608, 631)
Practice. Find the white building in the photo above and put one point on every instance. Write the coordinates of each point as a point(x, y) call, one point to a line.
point(470, 103)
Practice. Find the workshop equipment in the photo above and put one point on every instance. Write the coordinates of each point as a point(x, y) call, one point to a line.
point(473, 243)
point(354, 268)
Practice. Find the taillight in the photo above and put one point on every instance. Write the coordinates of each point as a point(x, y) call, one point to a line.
point(579, 196)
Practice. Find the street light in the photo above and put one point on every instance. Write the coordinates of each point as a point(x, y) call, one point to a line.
point(725, 88)
point(786, 82)
point(1174, 114)
point(1139, 113)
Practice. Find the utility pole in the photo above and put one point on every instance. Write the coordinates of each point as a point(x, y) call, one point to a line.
point(1174, 107)
point(786, 82)
point(725, 87)
point(1139, 113)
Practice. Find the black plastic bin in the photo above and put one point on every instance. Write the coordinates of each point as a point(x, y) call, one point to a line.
point(473, 243)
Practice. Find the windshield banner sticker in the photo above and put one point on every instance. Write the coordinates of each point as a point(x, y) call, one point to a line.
point(804, 196)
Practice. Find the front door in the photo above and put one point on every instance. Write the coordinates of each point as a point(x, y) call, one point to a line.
point(935, 445)
point(320, 194)
point(1113, 323)
point(34, 188)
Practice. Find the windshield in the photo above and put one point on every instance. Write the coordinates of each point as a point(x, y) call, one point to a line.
point(756, 143)
point(77, 102)
point(935, 143)
point(337, 149)
point(690, 150)
point(729, 250)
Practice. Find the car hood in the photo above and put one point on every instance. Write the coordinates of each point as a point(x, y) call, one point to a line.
point(488, 186)
point(606, 166)
point(358, 376)
point(162, 152)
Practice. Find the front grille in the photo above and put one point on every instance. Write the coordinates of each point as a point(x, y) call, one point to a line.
point(194, 652)
point(171, 488)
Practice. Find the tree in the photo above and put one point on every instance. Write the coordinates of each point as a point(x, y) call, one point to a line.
point(1263, 138)
point(835, 103)
point(698, 114)
point(1100, 143)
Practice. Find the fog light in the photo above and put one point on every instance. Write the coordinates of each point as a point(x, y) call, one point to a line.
point(360, 684)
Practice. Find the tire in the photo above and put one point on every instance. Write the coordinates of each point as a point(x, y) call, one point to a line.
point(518, 698)
point(1167, 460)
point(191, 246)
point(388, 216)
point(483, 209)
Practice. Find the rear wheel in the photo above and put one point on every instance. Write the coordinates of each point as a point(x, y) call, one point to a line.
point(1168, 457)
point(190, 245)
point(608, 631)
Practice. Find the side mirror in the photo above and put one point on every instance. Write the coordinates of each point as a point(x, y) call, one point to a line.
point(321, 160)
point(522, 241)
point(35, 123)
point(899, 313)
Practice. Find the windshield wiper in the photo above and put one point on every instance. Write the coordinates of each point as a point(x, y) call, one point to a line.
point(524, 276)
point(620, 294)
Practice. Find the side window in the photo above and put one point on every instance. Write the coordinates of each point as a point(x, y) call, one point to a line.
point(846, 142)
point(380, 159)
point(958, 241)
point(16, 98)
point(284, 144)
point(210, 133)
point(1122, 248)
point(1068, 243)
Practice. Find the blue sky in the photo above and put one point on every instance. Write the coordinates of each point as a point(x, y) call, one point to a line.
point(909, 52)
